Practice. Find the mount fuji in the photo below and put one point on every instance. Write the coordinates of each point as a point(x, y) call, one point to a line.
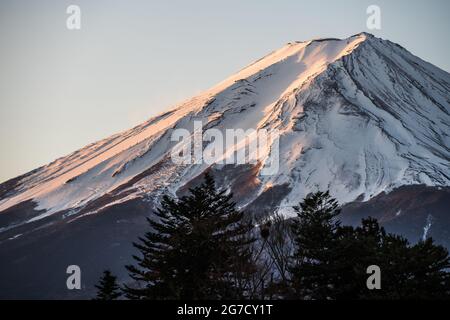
point(361, 117)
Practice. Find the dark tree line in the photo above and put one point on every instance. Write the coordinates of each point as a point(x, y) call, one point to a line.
point(202, 247)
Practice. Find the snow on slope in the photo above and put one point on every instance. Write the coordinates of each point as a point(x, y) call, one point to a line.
point(357, 116)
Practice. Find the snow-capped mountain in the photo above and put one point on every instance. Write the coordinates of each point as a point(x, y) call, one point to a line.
point(359, 116)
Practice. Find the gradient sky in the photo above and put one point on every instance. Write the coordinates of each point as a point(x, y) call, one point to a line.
point(62, 89)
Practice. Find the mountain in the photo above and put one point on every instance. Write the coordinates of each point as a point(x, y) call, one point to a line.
point(361, 117)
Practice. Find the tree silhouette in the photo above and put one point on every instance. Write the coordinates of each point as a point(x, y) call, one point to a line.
point(314, 272)
point(197, 248)
point(108, 289)
point(330, 261)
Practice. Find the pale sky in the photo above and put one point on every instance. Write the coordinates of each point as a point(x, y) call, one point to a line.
point(61, 89)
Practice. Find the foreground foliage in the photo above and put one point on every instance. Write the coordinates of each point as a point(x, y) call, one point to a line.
point(201, 247)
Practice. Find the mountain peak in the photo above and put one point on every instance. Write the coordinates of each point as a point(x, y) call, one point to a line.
point(364, 33)
point(306, 59)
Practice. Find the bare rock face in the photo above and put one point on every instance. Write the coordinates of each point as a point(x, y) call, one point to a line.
point(361, 117)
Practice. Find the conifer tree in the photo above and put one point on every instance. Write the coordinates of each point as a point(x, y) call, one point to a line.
point(429, 265)
point(417, 271)
point(108, 289)
point(330, 261)
point(197, 248)
point(407, 271)
point(314, 272)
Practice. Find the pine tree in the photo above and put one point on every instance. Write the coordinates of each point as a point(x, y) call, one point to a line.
point(357, 249)
point(108, 289)
point(197, 248)
point(429, 265)
point(408, 271)
point(330, 260)
point(315, 237)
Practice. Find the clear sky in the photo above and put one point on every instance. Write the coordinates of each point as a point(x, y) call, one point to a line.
point(61, 89)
